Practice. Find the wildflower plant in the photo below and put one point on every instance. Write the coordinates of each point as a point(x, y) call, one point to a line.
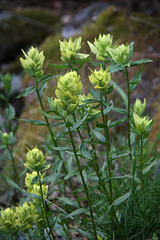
point(100, 202)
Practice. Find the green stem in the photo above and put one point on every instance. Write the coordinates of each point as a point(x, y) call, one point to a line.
point(78, 129)
point(129, 135)
point(83, 181)
point(54, 141)
point(15, 174)
point(43, 210)
point(141, 145)
point(108, 159)
point(102, 184)
point(42, 199)
point(29, 236)
point(12, 236)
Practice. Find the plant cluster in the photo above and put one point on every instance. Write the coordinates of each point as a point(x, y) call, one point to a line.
point(102, 204)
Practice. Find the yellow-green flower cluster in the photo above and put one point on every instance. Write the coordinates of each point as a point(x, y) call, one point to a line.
point(81, 101)
point(100, 79)
point(33, 62)
point(26, 216)
point(101, 46)
point(141, 123)
point(35, 188)
point(7, 221)
point(69, 87)
point(7, 138)
point(139, 107)
point(17, 219)
point(35, 160)
point(119, 54)
point(69, 50)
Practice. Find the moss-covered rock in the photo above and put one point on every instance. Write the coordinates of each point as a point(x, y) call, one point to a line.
point(23, 28)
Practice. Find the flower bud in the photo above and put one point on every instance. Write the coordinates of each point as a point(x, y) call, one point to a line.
point(7, 138)
point(101, 45)
point(141, 123)
point(35, 160)
point(69, 50)
point(139, 107)
point(120, 54)
point(33, 62)
point(100, 79)
point(7, 220)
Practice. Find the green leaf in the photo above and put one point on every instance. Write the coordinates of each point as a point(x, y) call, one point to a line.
point(10, 112)
point(120, 155)
point(50, 116)
point(42, 88)
point(79, 122)
point(148, 168)
point(26, 92)
point(84, 233)
point(35, 180)
point(115, 67)
point(120, 110)
point(69, 201)
point(51, 178)
point(135, 80)
point(95, 94)
point(92, 47)
point(109, 108)
point(142, 61)
point(60, 148)
point(36, 237)
point(46, 78)
point(118, 177)
point(130, 50)
point(121, 92)
point(3, 97)
point(77, 212)
point(70, 174)
point(34, 122)
point(115, 123)
point(13, 184)
point(121, 199)
point(99, 136)
point(83, 148)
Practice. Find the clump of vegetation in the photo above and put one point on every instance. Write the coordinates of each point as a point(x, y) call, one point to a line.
point(103, 202)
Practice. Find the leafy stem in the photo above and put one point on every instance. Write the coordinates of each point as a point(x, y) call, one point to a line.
point(53, 138)
point(128, 93)
point(108, 158)
point(83, 181)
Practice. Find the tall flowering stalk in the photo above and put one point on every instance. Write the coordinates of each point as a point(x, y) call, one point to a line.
point(32, 65)
point(69, 87)
point(35, 161)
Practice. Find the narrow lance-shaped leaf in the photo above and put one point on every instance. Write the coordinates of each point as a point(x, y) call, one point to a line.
point(115, 123)
point(83, 148)
point(135, 80)
point(142, 61)
point(26, 92)
point(109, 108)
point(34, 122)
point(99, 136)
point(121, 199)
point(77, 212)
